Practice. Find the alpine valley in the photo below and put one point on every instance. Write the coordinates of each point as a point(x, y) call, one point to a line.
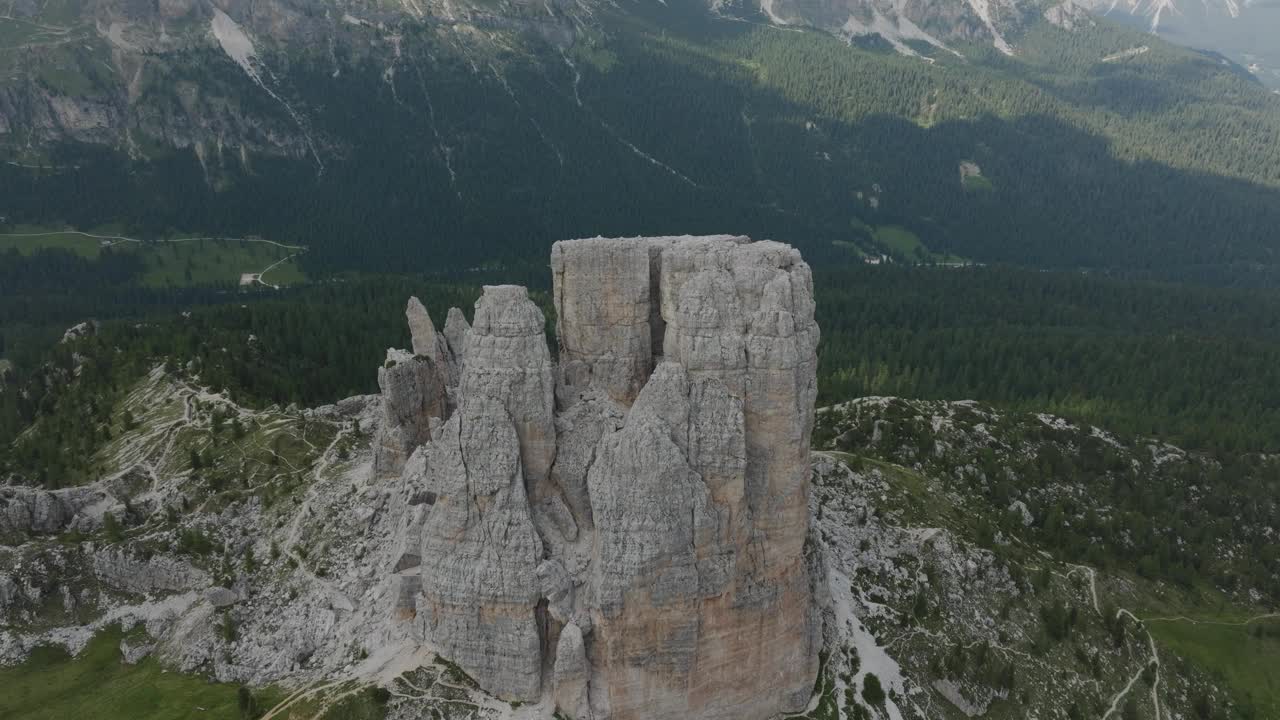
point(407, 359)
point(949, 131)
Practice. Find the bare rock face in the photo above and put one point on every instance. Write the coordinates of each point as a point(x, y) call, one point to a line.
point(426, 341)
point(578, 433)
point(417, 387)
point(507, 359)
point(610, 326)
point(146, 575)
point(413, 392)
point(625, 531)
point(730, 606)
point(456, 330)
point(572, 674)
point(480, 587)
point(25, 511)
point(602, 296)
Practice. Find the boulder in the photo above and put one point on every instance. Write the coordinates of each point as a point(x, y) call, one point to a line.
point(221, 597)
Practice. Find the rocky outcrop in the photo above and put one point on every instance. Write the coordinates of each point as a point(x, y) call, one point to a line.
point(422, 333)
point(482, 588)
point(713, 618)
point(144, 576)
point(25, 510)
point(626, 530)
point(507, 360)
point(456, 330)
point(415, 388)
point(413, 392)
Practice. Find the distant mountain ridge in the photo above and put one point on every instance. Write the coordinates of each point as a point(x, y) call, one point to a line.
point(1245, 31)
point(956, 131)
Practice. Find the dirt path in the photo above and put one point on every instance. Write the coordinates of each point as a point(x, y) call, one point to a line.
point(271, 267)
point(1183, 618)
point(1119, 697)
point(1093, 584)
point(121, 238)
point(302, 694)
point(339, 598)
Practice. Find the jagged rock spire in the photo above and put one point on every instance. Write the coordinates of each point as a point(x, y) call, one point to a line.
point(639, 553)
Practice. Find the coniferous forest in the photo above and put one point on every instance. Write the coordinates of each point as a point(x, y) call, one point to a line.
point(671, 122)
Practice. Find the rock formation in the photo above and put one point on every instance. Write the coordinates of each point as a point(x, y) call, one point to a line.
point(481, 589)
point(414, 389)
point(624, 532)
point(32, 510)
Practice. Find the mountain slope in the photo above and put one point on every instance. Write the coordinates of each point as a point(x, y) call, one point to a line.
point(487, 135)
point(1244, 31)
point(254, 567)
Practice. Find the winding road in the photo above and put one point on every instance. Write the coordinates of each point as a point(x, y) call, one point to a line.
point(121, 238)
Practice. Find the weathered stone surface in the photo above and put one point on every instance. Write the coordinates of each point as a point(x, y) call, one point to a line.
point(578, 433)
point(221, 597)
point(145, 576)
point(656, 531)
point(25, 510)
point(609, 325)
point(743, 313)
point(507, 359)
point(413, 392)
point(645, 544)
point(603, 312)
point(481, 590)
point(683, 627)
point(422, 332)
point(572, 674)
point(133, 652)
point(456, 329)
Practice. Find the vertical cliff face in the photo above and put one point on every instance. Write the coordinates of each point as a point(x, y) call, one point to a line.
point(625, 532)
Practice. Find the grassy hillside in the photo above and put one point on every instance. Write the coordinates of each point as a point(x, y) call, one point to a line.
point(1244, 656)
point(51, 685)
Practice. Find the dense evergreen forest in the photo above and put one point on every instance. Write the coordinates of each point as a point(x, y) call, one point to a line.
point(1166, 166)
point(1196, 366)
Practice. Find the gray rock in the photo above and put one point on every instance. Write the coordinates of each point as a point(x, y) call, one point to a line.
point(602, 298)
point(456, 329)
point(1024, 514)
point(413, 392)
point(481, 590)
point(133, 652)
point(25, 510)
point(422, 331)
point(578, 433)
point(144, 576)
point(652, 531)
point(507, 359)
point(221, 597)
point(572, 674)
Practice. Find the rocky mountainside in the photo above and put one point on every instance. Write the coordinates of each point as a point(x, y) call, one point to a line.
point(633, 520)
point(364, 130)
point(1244, 31)
point(912, 27)
point(636, 529)
point(141, 77)
point(622, 535)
